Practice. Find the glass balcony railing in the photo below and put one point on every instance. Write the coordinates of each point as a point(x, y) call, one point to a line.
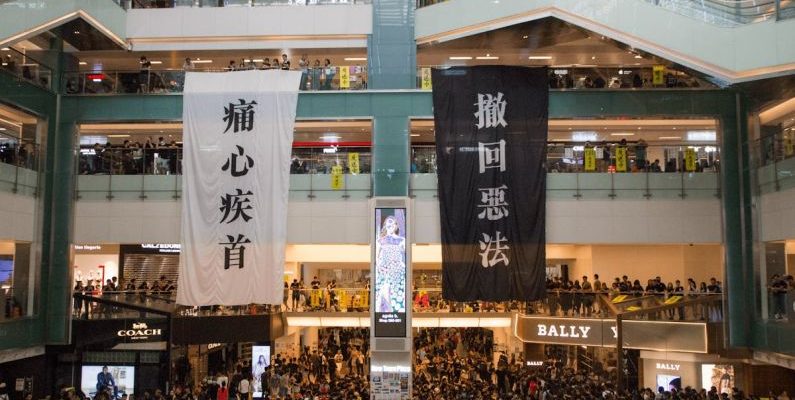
point(775, 159)
point(24, 67)
point(125, 173)
point(575, 78)
point(730, 13)
point(231, 3)
point(575, 303)
point(19, 166)
point(169, 81)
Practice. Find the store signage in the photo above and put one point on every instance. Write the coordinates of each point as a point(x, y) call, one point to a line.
point(668, 367)
point(162, 248)
point(637, 334)
point(214, 345)
point(88, 247)
point(534, 363)
point(139, 331)
point(572, 331)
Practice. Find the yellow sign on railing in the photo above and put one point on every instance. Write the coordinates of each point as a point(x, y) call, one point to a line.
point(353, 163)
point(658, 74)
point(590, 159)
point(789, 149)
point(621, 159)
point(690, 160)
point(425, 78)
point(337, 181)
point(345, 77)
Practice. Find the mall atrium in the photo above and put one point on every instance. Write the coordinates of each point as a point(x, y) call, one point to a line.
point(397, 199)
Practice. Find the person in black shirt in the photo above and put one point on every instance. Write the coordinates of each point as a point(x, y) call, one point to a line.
point(285, 64)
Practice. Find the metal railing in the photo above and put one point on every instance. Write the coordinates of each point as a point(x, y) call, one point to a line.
point(20, 163)
point(25, 67)
point(691, 306)
point(167, 81)
point(774, 161)
point(575, 78)
point(126, 173)
point(127, 4)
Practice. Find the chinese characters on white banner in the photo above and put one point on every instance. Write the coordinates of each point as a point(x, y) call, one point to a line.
point(238, 129)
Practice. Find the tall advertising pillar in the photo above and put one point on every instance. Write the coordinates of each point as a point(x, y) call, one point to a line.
point(390, 306)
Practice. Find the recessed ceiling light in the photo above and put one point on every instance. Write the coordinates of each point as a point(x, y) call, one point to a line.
point(82, 63)
point(638, 56)
point(488, 57)
point(622, 134)
point(355, 58)
point(6, 49)
point(155, 62)
point(2, 129)
point(669, 137)
point(77, 32)
point(414, 134)
point(118, 136)
point(593, 57)
point(674, 128)
point(525, 37)
point(640, 127)
point(460, 58)
point(198, 61)
point(539, 58)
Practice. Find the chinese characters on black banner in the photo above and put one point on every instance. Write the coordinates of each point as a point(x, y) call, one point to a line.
point(237, 206)
point(493, 206)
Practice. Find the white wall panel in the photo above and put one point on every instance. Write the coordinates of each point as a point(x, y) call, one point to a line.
point(249, 27)
point(777, 215)
point(17, 214)
point(347, 221)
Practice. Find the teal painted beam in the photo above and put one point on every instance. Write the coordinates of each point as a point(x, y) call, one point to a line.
point(30, 331)
point(418, 104)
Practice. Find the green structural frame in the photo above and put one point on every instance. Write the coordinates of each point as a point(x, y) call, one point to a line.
point(391, 112)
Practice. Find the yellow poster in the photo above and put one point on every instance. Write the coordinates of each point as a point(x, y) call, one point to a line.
point(343, 299)
point(621, 159)
point(590, 159)
point(314, 298)
point(345, 77)
point(789, 149)
point(353, 163)
point(658, 75)
point(337, 181)
point(690, 160)
point(425, 78)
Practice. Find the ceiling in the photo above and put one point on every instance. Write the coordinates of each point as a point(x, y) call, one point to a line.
point(558, 42)
point(11, 121)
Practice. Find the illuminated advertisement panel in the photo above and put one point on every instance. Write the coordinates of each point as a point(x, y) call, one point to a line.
point(389, 285)
point(260, 360)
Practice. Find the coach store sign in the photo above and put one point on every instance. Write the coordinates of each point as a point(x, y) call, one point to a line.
point(638, 334)
point(141, 331)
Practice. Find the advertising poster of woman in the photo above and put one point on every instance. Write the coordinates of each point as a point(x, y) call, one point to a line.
point(390, 261)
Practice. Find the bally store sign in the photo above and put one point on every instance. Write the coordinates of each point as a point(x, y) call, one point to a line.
point(141, 331)
point(637, 334)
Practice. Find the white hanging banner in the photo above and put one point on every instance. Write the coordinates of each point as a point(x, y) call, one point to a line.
point(237, 138)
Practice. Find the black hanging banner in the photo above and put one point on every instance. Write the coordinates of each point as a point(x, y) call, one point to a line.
point(491, 138)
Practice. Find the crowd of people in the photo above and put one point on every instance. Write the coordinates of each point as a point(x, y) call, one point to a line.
point(161, 287)
point(448, 364)
point(20, 154)
point(578, 298)
point(158, 157)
